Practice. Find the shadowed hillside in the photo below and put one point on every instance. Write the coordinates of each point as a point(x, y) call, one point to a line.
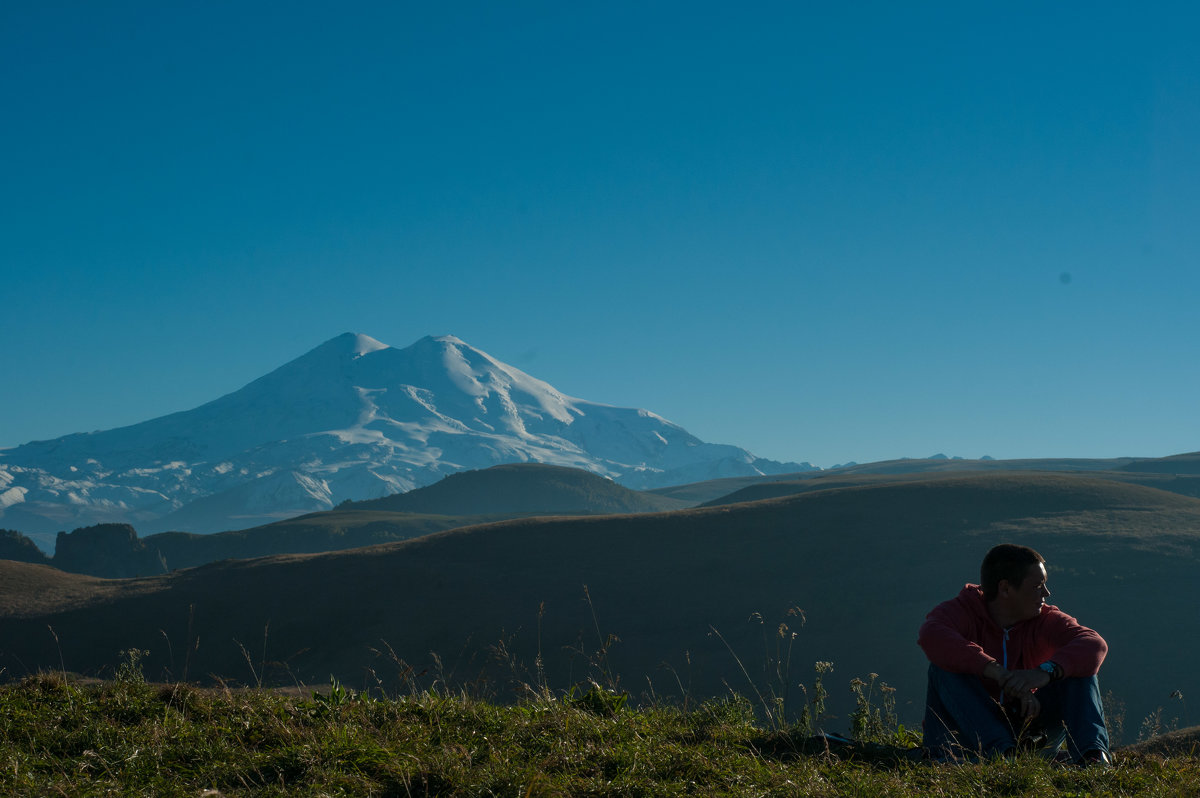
point(468, 498)
point(701, 492)
point(864, 563)
point(15, 546)
point(696, 493)
point(1178, 474)
point(1183, 484)
point(332, 530)
point(115, 551)
point(522, 489)
point(1176, 464)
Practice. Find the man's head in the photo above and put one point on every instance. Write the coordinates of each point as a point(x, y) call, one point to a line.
point(1016, 576)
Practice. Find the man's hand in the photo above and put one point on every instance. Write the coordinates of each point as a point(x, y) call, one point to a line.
point(1019, 686)
point(1021, 682)
point(1030, 706)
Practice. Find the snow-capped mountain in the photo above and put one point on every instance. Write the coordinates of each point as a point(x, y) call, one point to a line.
point(352, 419)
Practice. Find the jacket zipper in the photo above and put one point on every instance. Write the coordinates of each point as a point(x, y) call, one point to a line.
point(1005, 649)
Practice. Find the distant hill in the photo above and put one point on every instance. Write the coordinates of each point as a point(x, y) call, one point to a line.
point(522, 489)
point(864, 563)
point(1183, 484)
point(1167, 473)
point(1175, 464)
point(703, 492)
point(697, 493)
point(957, 465)
point(474, 497)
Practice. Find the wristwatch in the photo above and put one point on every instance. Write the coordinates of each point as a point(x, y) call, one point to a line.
point(1052, 669)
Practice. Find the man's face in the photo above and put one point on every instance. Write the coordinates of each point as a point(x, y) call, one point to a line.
point(1026, 599)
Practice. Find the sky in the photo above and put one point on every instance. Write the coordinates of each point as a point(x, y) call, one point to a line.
point(823, 232)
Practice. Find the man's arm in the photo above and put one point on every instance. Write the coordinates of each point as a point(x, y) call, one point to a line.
point(1078, 650)
point(944, 639)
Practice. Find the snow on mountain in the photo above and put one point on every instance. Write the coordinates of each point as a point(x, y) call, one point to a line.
point(352, 419)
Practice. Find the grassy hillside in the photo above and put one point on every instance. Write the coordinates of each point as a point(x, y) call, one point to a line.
point(522, 489)
point(864, 564)
point(127, 737)
point(333, 530)
point(30, 590)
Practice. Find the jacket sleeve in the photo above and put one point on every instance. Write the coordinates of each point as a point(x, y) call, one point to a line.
point(944, 638)
point(1077, 649)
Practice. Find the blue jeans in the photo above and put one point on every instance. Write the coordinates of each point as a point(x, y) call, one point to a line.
point(962, 718)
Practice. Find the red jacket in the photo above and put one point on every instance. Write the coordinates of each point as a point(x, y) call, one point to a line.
point(960, 636)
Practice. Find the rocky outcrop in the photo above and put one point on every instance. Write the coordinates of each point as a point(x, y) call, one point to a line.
point(113, 551)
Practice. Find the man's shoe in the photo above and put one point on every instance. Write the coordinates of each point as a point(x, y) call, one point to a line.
point(1096, 758)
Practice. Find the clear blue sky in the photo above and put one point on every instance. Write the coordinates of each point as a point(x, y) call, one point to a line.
point(823, 232)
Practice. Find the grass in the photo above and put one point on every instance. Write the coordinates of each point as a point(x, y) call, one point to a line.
point(129, 737)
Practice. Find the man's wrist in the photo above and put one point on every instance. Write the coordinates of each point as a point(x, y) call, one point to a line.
point(1051, 669)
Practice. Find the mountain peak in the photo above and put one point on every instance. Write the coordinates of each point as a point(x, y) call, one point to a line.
point(365, 344)
point(441, 344)
point(447, 339)
point(355, 344)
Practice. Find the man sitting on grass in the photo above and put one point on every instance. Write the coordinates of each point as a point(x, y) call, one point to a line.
point(1005, 666)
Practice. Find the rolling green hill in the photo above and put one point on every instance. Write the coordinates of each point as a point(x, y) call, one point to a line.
point(523, 489)
point(864, 563)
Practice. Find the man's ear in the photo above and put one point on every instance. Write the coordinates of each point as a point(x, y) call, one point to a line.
point(1002, 587)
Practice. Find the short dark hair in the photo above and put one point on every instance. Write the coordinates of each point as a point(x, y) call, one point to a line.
point(1006, 561)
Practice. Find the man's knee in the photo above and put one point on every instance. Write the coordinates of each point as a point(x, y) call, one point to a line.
point(960, 715)
point(1074, 688)
point(1081, 692)
point(941, 680)
point(961, 694)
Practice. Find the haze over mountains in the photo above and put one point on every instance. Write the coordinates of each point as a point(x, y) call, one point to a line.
point(352, 419)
